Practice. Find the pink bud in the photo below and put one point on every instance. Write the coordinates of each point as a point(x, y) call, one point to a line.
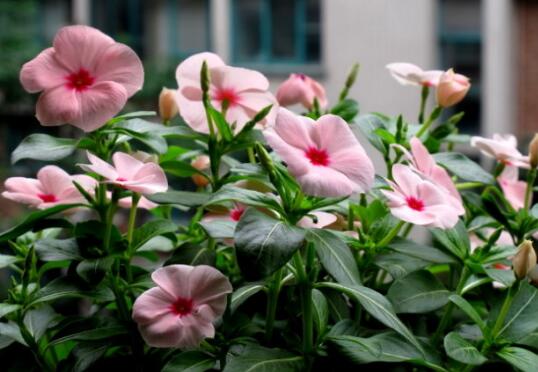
point(301, 89)
point(452, 88)
point(167, 104)
point(201, 163)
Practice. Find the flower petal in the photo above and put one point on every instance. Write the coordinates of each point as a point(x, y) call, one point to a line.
point(189, 70)
point(323, 219)
point(54, 180)
point(151, 304)
point(327, 182)
point(126, 165)
point(43, 72)
point(163, 331)
point(58, 106)
point(239, 79)
point(173, 279)
point(209, 286)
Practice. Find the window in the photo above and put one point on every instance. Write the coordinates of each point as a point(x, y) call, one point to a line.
point(276, 32)
point(188, 27)
point(460, 47)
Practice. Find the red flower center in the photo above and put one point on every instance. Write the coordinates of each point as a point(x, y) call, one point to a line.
point(80, 80)
point(226, 95)
point(47, 198)
point(317, 156)
point(415, 203)
point(236, 213)
point(121, 179)
point(182, 306)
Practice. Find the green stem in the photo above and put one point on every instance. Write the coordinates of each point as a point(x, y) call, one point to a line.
point(505, 308)
point(109, 220)
point(468, 185)
point(305, 293)
point(251, 157)
point(426, 125)
point(423, 98)
point(530, 184)
point(130, 231)
point(391, 235)
point(272, 301)
point(447, 316)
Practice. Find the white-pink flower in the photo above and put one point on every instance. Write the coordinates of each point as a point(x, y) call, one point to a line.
point(129, 173)
point(410, 74)
point(502, 147)
point(424, 163)
point(324, 155)
point(299, 88)
point(86, 78)
point(419, 201)
point(181, 310)
point(513, 189)
point(52, 187)
point(245, 92)
point(317, 220)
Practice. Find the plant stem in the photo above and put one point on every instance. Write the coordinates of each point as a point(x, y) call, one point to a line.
point(305, 297)
point(426, 125)
point(272, 301)
point(468, 185)
point(251, 156)
point(530, 184)
point(109, 220)
point(447, 316)
point(505, 308)
point(423, 98)
point(391, 235)
point(130, 231)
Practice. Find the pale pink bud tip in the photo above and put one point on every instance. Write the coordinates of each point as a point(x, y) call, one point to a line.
point(301, 89)
point(167, 104)
point(452, 88)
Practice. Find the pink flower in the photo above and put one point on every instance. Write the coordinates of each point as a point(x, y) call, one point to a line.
point(419, 201)
point(245, 92)
point(324, 155)
point(504, 239)
point(323, 219)
point(502, 147)
point(425, 164)
point(299, 88)
point(129, 173)
point(143, 203)
point(53, 186)
point(233, 214)
point(513, 189)
point(409, 74)
point(181, 310)
point(452, 88)
point(85, 78)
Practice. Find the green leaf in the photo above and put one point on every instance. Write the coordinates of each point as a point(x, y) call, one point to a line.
point(37, 321)
point(421, 251)
point(346, 109)
point(368, 124)
point(151, 229)
point(418, 292)
point(357, 349)
point(222, 126)
point(462, 350)
point(244, 196)
point(190, 361)
point(455, 240)
point(87, 353)
point(157, 243)
point(129, 115)
point(505, 277)
point(58, 249)
point(6, 309)
point(522, 359)
point(179, 168)
point(99, 333)
point(254, 358)
point(6, 260)
point(32, 220)
point(192, 255)
point(320, 311)
point(463, 167)
point(64, 288)
point(468, 309)
point(242, 294)
point(263, 244)
point(521, 318)
point(39, 146)
point(11, 330)
point(335, 256)
point(219, 229)
point(378, 307)
point(94, 270)
point(186, 198)
point(399, 265)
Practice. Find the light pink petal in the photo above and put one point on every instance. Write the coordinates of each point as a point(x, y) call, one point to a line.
point(406, 73)
point(151, 179)
point(173, 279)
point(294, 130)
point(209, 286)
point(323, 219)
point(88, 183)
point(98, 104)
point(151, 304)
point(333, 134)
point(239, 79)
point(191, 67)
point(126, 165)
point(413, 216)
point(395, 198)
point(54, 180)
point(431, 78)
point(143, 203)
point(423, 160)
point(253, 102)
point(192, 331)
point(293, 91)
point(327, 182)
point(43, 72)
point(100, 167)
point(296, 160)
point(514, 192)
point(445, 216)
point(356, 165)
point(430, 194)
point(23, 185)
point(406, 179)
point(192, 111)
point(163, 331)
point(58, 106)
point(79, 47)
point(237, 117)
point(120, 64)
point(319, 92)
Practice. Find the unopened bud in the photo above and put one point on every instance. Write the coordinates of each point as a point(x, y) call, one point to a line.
point(533, 152)
point(167, 104)
point(201, 163)
point(524, 260)
point(452, 88)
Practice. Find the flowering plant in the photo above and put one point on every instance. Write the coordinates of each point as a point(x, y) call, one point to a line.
point(292, 255)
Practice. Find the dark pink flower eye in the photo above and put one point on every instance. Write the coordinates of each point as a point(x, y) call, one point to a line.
point(227, 95)
point(236, 213)
point(182, 306)
point(317, 156)
point(80, 80)
point(415, 203)
point(47, 198)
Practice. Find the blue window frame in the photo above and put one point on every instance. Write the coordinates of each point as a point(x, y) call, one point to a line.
point(276, 32)
point(189, 27)
point(460, 47)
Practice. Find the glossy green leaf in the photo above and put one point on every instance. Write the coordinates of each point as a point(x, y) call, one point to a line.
point(150, 230)
point(186, 198)
point(523, 359)
point(240, 295)
point(421, 251)
point(368, 124)
point(219, 229)
point(254, 358)
point(462, 350)
point(190, 361)
point(455, 240)
point(468, 309)
point(521, 318)
point(252, 198)
point(6, 260)
point(39, 146)
point(320, 311)
point(463, 167)
point(6, 309)
point(57, 249)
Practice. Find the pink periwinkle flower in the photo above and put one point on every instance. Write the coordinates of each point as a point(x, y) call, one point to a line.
point(513, 189)
point(317, 220)
point(419, 201)
point(299, 88)
point(410, 74)
point(143, 203)
point(181, 310)
point(245, 92)
point(129, 173)
point(502, 147)
point(324, 155)
point(52, 187)
point(85, 78)
point(424, 163)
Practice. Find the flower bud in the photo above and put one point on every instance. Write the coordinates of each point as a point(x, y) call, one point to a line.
point(524, 260)
point(533, 152)
point(452, 88)
point(167, 104)
point(302, 89)
point(144, 157)
point(201, 163)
